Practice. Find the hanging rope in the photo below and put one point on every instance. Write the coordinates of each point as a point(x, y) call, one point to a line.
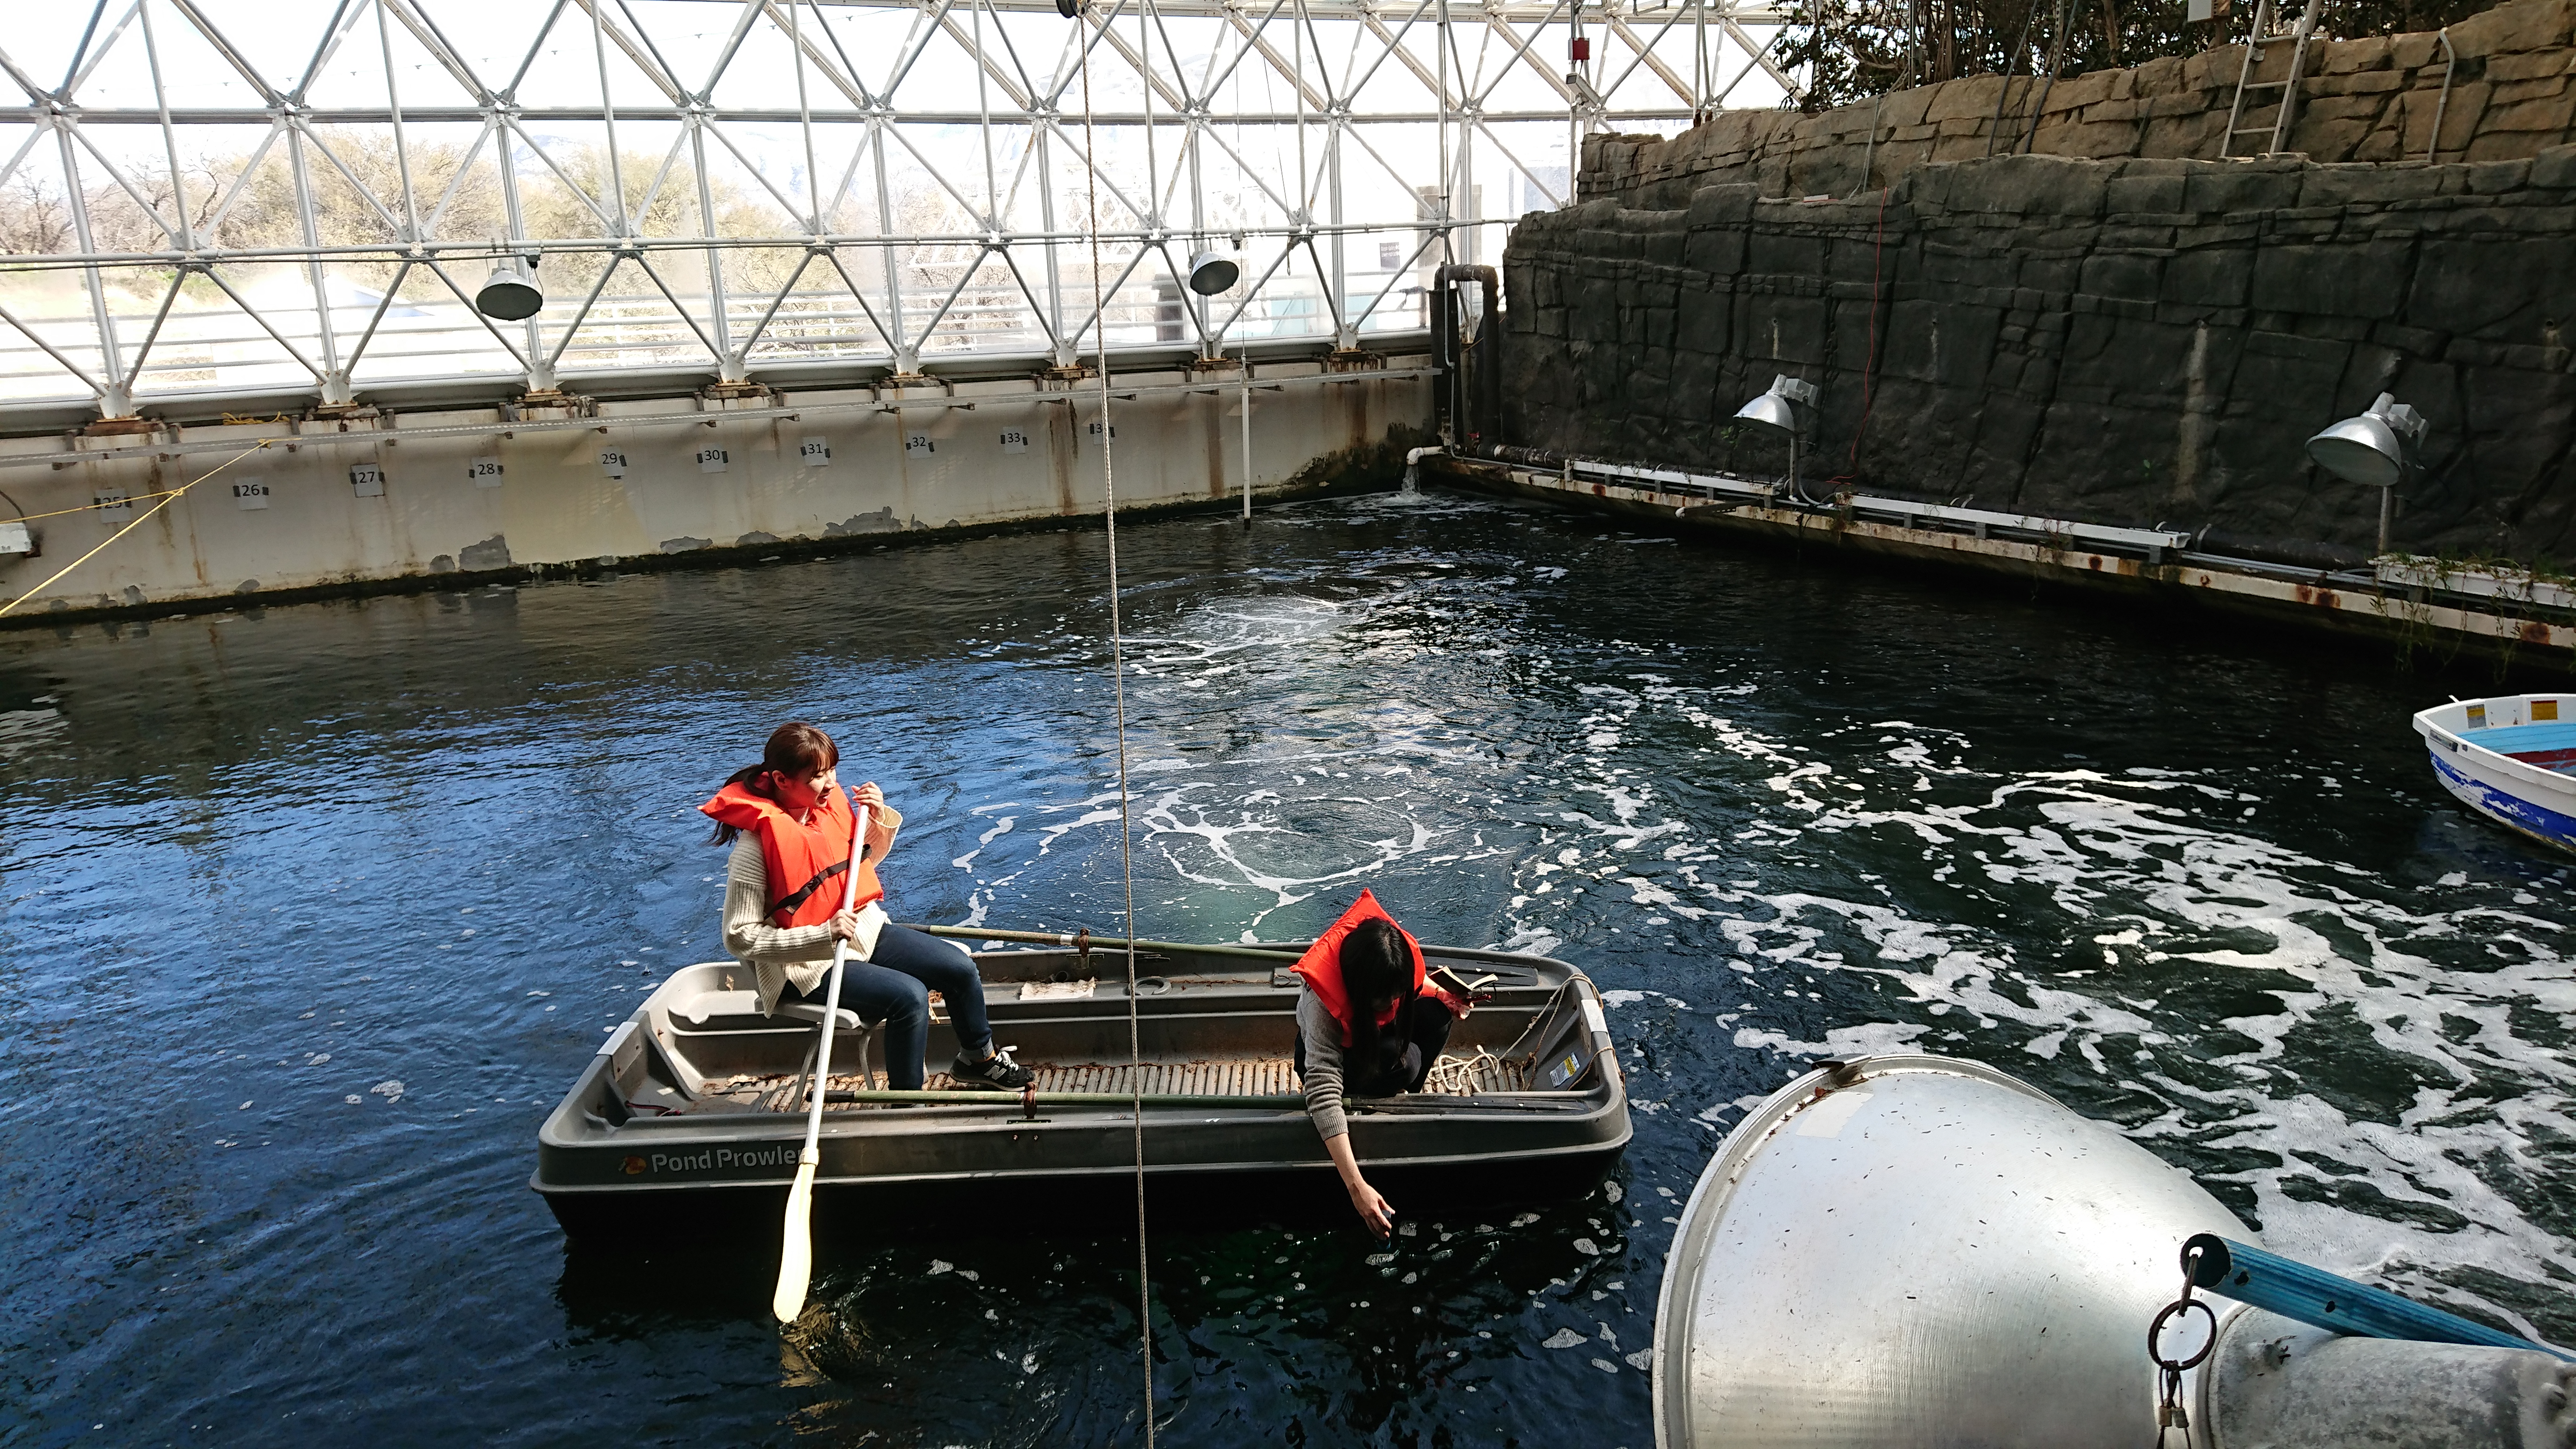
point(165, 498)
point(93, 507)
point(1118, 700)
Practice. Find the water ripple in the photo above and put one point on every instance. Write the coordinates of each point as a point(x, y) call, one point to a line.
point(263, 864)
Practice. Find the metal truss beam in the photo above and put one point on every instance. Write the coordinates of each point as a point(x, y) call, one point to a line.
point(315, 208)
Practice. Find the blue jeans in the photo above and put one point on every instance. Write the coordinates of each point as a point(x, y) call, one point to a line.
point(895, 988)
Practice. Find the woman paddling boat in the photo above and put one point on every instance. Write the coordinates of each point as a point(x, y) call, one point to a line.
point(790, 823)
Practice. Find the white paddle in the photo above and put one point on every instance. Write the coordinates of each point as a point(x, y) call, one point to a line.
point(796, 1253)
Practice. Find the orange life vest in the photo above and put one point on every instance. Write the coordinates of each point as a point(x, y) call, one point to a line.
point(1321, 966)
point(805, 859)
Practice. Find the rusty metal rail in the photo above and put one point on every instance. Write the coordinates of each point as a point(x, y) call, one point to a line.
point(2085, 555)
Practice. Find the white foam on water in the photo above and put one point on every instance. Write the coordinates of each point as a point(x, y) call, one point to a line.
point(2328, 942)
point(1096, 810)
point(2079, 925)
point(1001, 827)
point(2135, 876)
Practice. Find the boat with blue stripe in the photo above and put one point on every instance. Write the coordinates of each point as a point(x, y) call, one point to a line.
point(2511, 758)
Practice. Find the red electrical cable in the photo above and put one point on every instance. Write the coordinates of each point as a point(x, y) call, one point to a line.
point(1869, 371)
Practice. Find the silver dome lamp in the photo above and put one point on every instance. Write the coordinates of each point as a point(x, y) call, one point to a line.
point(1212, 272)
point(511, 293)
point(1789, 407)
point(2376, 450)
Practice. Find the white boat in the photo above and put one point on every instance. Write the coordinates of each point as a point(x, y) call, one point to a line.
point(2511, 758)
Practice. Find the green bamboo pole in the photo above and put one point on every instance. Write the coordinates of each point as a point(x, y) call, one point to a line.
point(1278, 1102)
point(1102, 943)
point(1281, 1101)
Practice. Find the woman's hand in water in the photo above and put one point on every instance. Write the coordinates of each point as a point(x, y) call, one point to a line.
point(845, 926)
point(1374, 1210)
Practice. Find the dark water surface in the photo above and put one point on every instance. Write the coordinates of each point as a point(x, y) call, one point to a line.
point(311, 914)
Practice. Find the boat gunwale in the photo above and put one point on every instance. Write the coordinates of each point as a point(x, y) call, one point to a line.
point(1605, 1146)
point(927, 1113)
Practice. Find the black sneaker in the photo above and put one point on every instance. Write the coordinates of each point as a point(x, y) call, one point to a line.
point(996, 1073)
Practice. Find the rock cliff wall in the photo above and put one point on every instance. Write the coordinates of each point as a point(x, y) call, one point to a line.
point(2135, 341)
point(2361, 100)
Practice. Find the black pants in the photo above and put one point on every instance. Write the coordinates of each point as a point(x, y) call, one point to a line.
point(1423, 1046)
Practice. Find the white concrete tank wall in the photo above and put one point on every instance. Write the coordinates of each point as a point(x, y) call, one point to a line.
point(294, 515)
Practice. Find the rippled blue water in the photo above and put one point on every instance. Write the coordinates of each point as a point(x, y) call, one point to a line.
point(312, 913)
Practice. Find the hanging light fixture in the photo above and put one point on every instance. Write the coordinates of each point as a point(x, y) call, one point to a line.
point(1212, 271)
point(2376, 450)
point(1786, 408)
point(511, 293)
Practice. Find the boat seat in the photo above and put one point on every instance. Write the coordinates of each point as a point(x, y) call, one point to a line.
point(2536, 744)
point(811, 1014)
point(738, 1009)
point(722, 1008)
point(845, 1021)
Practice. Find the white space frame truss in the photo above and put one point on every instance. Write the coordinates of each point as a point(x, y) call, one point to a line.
point(1287, 131)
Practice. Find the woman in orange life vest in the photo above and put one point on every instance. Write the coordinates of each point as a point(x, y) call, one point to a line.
point(1370, 1024)
point(788, 822)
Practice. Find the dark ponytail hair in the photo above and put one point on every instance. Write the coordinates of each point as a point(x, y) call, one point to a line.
point(795, 749)
point(1377, 966)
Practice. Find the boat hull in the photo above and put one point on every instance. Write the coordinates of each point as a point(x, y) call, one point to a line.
point(2501, 805)
point(1250, 1156)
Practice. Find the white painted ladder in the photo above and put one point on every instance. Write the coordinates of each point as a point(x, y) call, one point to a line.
point(2266, 16)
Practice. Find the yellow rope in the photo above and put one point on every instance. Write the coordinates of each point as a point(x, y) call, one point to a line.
point(86, 507)
point(129, 528)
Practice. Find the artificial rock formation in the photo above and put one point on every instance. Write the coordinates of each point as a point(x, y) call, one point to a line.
point(2510, 71)
point(2130, 342)
point(2135, 341)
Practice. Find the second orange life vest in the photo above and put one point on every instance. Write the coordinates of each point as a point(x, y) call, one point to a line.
point(1321, 966)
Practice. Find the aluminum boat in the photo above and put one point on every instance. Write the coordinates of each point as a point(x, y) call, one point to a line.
point(695, 1105)
point(2509, 758)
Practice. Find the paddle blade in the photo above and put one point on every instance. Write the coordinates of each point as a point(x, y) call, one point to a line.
point(796, 1252)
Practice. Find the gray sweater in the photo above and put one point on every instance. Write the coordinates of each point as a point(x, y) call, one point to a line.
point(1323, 1079)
